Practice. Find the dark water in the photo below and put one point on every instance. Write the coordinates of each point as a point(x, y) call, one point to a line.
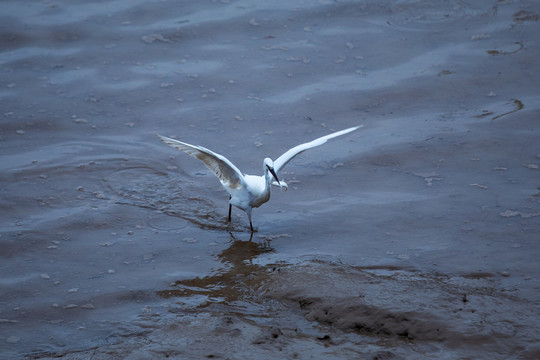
point(413, 237)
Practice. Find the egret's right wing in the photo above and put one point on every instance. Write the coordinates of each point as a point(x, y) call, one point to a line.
point(289, 155)
point(228, 174)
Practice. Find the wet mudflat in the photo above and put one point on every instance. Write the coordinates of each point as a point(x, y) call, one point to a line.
point(413, 237)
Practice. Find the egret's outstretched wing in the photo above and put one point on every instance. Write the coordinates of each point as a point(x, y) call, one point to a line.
point(229, 175)
point(285, 158)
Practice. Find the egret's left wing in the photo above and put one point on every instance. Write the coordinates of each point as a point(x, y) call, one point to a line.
point(285, 158)
point(229, 175)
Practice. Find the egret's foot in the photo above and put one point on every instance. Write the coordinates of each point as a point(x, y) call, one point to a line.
point(234, 238)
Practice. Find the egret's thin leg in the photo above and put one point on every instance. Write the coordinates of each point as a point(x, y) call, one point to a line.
point(230, 208)
point(248, 212)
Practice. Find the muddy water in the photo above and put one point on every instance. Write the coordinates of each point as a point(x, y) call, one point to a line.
point(413, 237)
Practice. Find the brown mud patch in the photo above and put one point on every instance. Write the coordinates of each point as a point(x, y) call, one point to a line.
point(392, 311)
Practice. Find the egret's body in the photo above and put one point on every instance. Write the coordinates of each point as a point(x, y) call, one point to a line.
point(248, 191)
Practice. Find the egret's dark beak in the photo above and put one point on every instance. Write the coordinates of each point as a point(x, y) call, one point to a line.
point(273, 173)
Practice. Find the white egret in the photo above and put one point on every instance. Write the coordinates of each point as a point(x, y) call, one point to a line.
point(248, 191)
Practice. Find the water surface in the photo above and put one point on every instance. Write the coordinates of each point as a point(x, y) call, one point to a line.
point(413, 237)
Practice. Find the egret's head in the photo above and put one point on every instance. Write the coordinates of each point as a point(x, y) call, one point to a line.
point(269, 166)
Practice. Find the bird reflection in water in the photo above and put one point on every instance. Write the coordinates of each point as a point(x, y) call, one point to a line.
point(238, 281)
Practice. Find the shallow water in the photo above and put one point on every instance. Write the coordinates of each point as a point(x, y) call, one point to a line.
point(414, 237)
